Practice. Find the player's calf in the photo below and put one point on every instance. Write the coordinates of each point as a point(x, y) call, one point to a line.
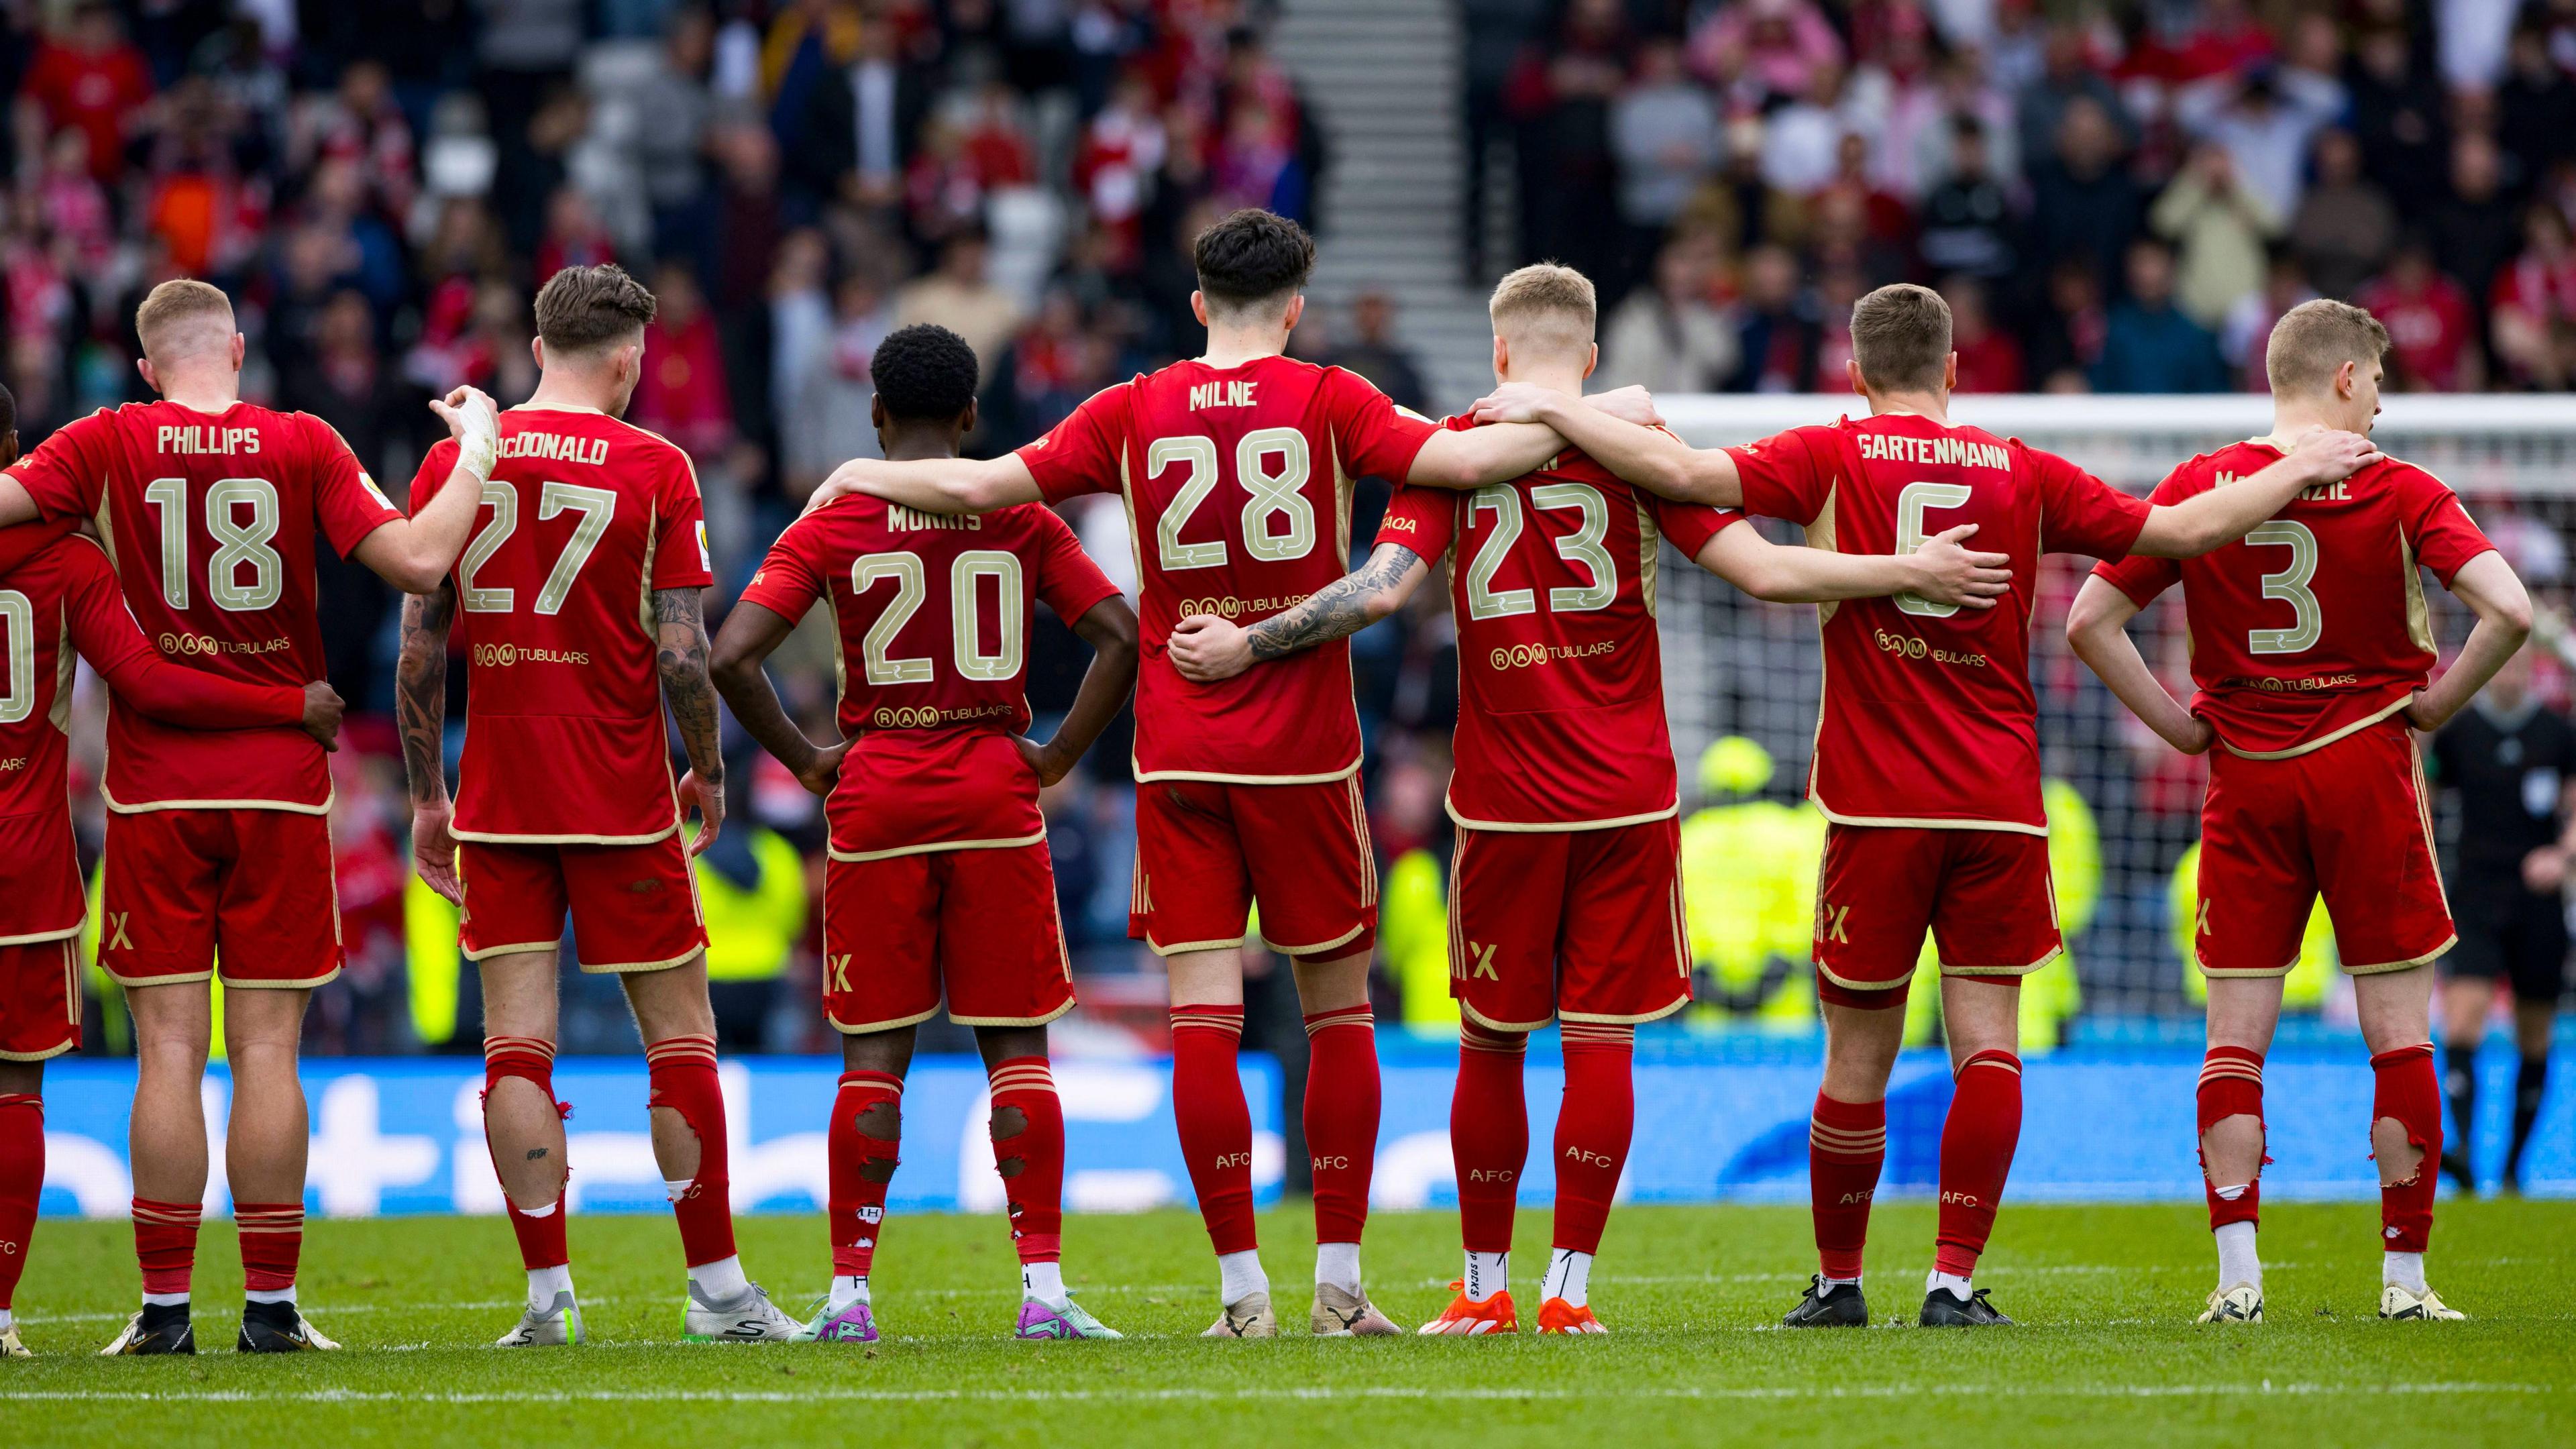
point(1028, 1152)
point(2230, 1110)
point(864, 1144)
point(22, 1178)
point(1593, 1129)
point(1216, 1138)
point(2406, 1138)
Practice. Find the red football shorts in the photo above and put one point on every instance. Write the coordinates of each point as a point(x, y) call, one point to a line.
point(1985, 896)
point(253, 889)
point(633, 907)
point(1207, 852)
point(2351, 821)
point(980, 923)
point(1586, 925)
point(40, 1000)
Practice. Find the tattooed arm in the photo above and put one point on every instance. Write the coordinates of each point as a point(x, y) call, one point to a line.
point(1206, 648)
point(420, 707)
point(680, 625)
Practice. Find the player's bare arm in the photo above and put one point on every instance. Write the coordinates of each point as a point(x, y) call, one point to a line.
point(1109, 627)
point(749, 636)
point(1634, 448)
point(420, 713)
point(17, 505)
point(414, 553)
point(1206, 648)
point(190, 698)
point(2097, 629)
point(1942, 571)
point(2221, 516)
point(934, 485)
point(680, 627)
point(2488, 585)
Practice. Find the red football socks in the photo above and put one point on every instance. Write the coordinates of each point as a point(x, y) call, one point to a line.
point(866, 1130)
point(165, 1244)
point(272, 1239)
point(1846, 1146)
point(2408, 1091)
point(1977, 1145)
point(22, 1180)
point(531, 1059)
point(1341, 1118)
point(1488, 1134)
point(2231, 1085)
point(682, 1070)
point(1028, 1151)
point(1215, 1124)
point(1593, 1127)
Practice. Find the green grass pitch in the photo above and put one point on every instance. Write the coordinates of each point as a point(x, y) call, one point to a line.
point(2106, 1353)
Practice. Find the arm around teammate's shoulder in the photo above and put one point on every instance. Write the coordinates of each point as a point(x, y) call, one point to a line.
point(414, 554)
point(2220, 516)
point(934, 485)
point(1622, 432)
point(1942, 571)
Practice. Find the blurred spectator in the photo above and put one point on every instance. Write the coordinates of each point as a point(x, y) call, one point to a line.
point(1803, 139)
point(683, 394)
point(1780, 331)
point(2432, 324)
point(1664, 133)
point(2243, 339)
point(1670, 337)
point(87, 77)
point(2084, 204)
point(1561, 90)
point(960, 297)
point(1374, 353)
point(2219, 228)
point(2536, 104)
point(1989, 359)
point(1777, 46)
point(2149, 344)
point(673, 108)
point(1968, 222)
point(2344, 225)
point(2477, 227)
point(2397, 112)
point(2068, 75)
point(2266, 136)
point(2533, 304)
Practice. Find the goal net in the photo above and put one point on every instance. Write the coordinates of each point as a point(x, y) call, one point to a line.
point(1734, 666)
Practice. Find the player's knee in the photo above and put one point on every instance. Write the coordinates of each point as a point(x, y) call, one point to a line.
point(2400, 1156)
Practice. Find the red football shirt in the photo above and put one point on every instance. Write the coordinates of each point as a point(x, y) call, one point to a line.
point(1560, 675)
point(59, 595)
point(1238, 489)
point(1928, 718)
point(583, 518)
point(933, 618)
point(210, 519)
point(2314, 624)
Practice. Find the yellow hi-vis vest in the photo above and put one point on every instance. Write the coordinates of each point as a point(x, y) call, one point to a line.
point(434, 959)
point(2304, 989)
point(1749, 881)
point(1413, 930)
point(752, 933)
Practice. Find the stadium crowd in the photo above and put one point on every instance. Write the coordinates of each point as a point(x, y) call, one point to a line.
point(2118, 197)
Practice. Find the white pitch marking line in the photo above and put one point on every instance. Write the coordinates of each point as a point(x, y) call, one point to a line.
point(1191, 1395)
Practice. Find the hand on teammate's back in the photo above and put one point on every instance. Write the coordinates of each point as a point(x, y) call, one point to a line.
point(433, 851)
point(475, 425)
point(1206, 649)
point(2331, 454)
point(1522, 402)
point(322, 707)
point(708, 800)
point(1961, 577)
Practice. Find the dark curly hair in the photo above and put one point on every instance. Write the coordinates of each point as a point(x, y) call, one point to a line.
point(925, 373)
point(1250, 257)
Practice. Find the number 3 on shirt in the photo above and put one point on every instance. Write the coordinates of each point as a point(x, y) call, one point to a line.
point(2290, 586)
point(1581, 547)
point(1276, 495)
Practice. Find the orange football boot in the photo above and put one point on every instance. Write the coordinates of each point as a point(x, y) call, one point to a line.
point(1558, 1316)
point(1465, 1317)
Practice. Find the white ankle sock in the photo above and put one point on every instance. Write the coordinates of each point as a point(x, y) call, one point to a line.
point(1339, 1265)
point(2237, 1260)
point(545, 1283)
point(1239, 1276)
point(1569, 1276)
point(284, 1295)
point(1487, 1274)
point(2406, 1270)
point(1950, 1283)
point(1045, 1283)
point(846, 1290)
point(1854, 1280)
point(5, 1320)
point(720, 1281)
point(165, 1300)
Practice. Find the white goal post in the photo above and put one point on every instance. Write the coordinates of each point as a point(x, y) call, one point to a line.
point(1734, 666)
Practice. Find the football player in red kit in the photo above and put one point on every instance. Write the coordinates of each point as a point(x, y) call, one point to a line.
point(579, 606)
point(1236, 470)
point(2311, 650)
point(218, 842)
point(58, 594)
point(1927, 750)
point(1565, 896)
point(939, 881)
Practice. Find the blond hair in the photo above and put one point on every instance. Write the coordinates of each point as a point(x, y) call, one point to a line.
point(1901, 338)
point(182, 317)
point(1546, 307)
point(2313, 341)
